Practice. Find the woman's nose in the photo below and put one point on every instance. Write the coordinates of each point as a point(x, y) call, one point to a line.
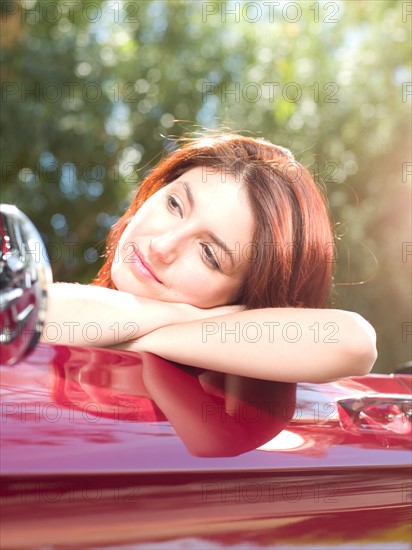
point(164, 247)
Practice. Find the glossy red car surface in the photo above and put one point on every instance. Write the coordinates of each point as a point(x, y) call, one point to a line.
point(107, 449)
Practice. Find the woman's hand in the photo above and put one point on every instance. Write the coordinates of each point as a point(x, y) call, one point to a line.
point(187, 313)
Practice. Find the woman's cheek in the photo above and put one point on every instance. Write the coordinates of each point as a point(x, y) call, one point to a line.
point(190, 288)
point(205, 294)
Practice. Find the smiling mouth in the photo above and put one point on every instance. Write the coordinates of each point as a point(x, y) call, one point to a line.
point(142, 267)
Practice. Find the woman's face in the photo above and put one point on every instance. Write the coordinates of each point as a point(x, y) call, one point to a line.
point(188, 242)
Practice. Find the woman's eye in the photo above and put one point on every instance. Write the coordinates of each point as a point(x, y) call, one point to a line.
point(174, 205)
point(210, 257)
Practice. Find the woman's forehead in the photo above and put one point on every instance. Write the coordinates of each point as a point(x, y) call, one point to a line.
point(221, 194)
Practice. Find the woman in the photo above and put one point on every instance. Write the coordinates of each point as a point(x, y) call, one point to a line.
point(223, 261)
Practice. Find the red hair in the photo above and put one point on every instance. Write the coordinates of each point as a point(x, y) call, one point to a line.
point(293, 242)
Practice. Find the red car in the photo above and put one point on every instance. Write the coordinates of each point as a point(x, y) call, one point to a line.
point(101, 448)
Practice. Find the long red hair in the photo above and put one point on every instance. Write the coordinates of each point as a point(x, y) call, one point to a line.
point(293, 243)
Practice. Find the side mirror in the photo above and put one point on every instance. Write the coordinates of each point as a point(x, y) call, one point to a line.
point(25, 273)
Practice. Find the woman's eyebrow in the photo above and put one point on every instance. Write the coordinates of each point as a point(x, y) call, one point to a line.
point(212, 236)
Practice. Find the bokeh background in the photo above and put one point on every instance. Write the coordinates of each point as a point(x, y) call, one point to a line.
point(93, 91)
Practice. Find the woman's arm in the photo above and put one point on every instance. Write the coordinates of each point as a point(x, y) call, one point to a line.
point(85, 315)
point(284, 344)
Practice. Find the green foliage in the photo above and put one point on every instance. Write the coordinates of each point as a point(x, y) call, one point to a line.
point(91, 92)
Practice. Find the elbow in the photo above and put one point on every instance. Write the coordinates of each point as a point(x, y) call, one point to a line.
point(363, 352)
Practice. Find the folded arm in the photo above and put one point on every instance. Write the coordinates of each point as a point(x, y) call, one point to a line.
point(85, 315)
point(283, 344)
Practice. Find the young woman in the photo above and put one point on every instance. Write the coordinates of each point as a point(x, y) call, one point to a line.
point(222, 261)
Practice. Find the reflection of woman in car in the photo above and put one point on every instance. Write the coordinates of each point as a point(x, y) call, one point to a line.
point(224, 261)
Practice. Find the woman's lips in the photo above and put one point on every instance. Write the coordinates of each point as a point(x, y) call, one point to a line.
point(141, 266)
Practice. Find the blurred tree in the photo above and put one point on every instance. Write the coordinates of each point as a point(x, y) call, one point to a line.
point(92, 91)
